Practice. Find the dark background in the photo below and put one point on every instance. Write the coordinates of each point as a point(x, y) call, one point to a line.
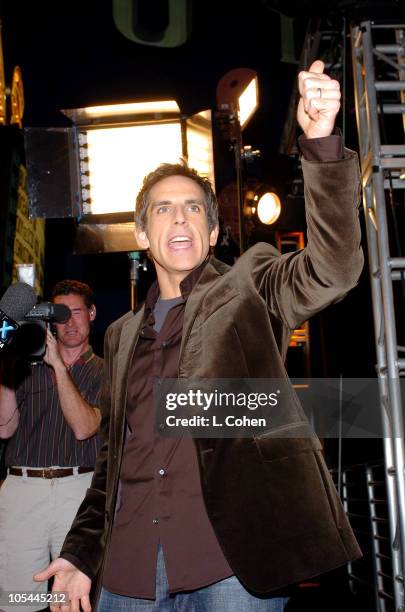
point(72, 55)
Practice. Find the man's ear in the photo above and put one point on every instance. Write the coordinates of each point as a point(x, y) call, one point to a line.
point(214, 235)
point(141, 238)
point(92, 312)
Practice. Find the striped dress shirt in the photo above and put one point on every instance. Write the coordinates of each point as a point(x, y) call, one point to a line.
point(43, 437)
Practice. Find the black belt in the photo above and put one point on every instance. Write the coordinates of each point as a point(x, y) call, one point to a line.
point(49, 472)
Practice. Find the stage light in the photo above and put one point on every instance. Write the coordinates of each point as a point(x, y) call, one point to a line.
point(200, 152)
point(119, 158)
point(135, 108)
point(120, 144)
point(93, 170)
point(118, 111)
point(248, 102)
point(268, 208)
point(238, 92)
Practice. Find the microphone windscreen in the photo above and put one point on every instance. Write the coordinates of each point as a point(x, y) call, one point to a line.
point(61, 313)
point(17, 300)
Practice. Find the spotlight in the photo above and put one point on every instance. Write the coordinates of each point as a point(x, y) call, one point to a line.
point(269, 208)
point(238, 92)
point(262, 201)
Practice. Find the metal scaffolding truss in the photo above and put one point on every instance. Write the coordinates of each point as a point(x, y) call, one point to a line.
point(378, 58)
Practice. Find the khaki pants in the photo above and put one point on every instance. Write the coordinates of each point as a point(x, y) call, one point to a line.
point(35, 516)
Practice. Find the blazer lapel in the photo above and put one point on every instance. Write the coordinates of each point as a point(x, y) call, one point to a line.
point(213, 270)
point(128, 338)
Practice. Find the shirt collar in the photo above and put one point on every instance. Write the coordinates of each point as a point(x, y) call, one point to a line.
point(85, 357)
point(188, 283)
point(186, 286)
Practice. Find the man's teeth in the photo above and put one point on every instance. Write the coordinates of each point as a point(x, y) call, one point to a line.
point(180, 239)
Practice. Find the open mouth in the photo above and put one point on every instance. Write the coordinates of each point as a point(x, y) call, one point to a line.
point(180, 242)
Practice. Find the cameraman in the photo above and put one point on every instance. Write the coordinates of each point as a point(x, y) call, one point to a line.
point(49, 411)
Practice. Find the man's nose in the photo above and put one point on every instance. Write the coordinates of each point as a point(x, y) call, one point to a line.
point(179, 215)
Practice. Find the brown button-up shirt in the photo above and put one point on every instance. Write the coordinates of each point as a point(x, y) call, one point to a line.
point(161, 499)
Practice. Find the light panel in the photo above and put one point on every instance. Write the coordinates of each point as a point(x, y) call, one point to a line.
point(118, 160)
point(248, 102)
point(114, 113)
point(134, 108)
point(199, 144)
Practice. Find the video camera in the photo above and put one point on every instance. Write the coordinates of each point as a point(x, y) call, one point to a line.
point(23, 322)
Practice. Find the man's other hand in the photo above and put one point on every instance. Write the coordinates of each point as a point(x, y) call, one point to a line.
point(319, 103)
point(71, 580)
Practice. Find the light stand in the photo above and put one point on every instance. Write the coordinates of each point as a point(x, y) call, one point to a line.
point(237, 100)
point(135, 264)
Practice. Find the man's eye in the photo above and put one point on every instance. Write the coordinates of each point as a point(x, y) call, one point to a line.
point(162, 209)
point(194, 208)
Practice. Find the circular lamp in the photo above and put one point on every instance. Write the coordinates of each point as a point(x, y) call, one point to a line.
point(269, 208)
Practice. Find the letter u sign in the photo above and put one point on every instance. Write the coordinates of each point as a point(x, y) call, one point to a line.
point(126, 15)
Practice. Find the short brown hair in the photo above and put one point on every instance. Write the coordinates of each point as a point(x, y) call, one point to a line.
point(66, 287)
point(164, 171)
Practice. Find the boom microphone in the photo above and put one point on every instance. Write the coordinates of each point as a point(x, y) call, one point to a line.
point(17, 300)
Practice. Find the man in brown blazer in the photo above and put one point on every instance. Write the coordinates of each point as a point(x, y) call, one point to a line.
point(218, 524)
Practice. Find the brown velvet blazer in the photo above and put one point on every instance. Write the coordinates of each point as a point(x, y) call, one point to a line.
point(271, 500)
